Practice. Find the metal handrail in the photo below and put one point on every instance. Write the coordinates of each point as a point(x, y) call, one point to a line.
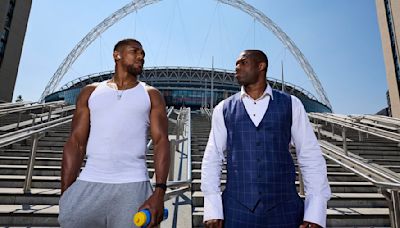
point(16, 104)
point(362, 164)
point(16, 136)
point(387, 185)
point(188, 139)
point(207, 111)
point(384, 122)
point(31, 106)
point(184, 183)
point(356, 126)
point(385, 180)
point(36, 132)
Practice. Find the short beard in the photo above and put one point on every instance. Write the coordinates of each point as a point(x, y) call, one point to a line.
point(134, 71)
point(243, 82)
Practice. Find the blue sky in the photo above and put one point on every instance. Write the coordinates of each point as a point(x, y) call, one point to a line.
point(339, 38)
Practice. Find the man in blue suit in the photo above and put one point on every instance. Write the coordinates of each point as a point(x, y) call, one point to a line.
point(252, 131)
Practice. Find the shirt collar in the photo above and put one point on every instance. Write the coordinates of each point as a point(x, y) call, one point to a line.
point(267, 91)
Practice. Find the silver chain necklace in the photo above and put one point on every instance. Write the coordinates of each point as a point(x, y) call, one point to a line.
point(119, 94)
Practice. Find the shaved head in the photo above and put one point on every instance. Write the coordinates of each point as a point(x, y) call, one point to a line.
point(123, 43)
point(258, 56)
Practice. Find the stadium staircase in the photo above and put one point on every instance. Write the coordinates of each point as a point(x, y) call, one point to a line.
point(29, 197)
point(372, 143)
point(362, 169)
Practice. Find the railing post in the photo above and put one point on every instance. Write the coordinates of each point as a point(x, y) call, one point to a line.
point(319, 131)
point(33, 119)
point(392, 197)
point(344, 141)
point(396, 208)
point(172, 149)
point(333, 130)
point(360, 137)
point(31, 164)
point(49, 115)
point(19, 120)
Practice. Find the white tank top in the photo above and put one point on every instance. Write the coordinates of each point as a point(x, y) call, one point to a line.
point(116, 149)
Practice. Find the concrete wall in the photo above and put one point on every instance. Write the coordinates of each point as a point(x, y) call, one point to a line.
point(13, 44)
point(393, 83)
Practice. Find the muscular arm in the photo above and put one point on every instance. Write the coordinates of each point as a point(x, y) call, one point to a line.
point(159, 135)
point(75, 147)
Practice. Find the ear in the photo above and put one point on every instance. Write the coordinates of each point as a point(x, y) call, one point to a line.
point(116, 56)
point(262, 66)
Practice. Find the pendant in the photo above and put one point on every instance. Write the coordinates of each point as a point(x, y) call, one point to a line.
point(119, 96)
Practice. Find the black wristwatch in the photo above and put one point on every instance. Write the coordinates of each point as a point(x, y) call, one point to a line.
point(161, 185)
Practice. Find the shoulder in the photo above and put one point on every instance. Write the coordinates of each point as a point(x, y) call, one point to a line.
point(219, 107)
point(296, 102)
point(233, 98)
point(155, 95)
point(280, 94)
point(150, 89)
point(86, 92)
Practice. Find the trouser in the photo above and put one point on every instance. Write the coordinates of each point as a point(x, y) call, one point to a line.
point(288, 214)
point(91, 204)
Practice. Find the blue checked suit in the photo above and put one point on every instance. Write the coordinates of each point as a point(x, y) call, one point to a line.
point(260, 189)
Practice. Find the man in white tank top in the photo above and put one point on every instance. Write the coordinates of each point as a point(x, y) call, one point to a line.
point(110, 126)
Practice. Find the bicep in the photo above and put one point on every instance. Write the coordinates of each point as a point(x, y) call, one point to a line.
point(158, 116)
point(81, 120)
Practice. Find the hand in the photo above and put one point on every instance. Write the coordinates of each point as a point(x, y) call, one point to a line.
point(214, 223)
point(306, 224)
point(155, 204)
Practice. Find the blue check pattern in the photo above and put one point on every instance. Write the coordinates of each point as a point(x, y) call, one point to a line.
point(260, 170)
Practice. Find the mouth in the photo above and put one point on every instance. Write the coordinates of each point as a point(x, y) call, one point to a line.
point(138, 64)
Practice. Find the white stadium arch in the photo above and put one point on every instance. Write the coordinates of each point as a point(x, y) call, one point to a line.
point(138, 4)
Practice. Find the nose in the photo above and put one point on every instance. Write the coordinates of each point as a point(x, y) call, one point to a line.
point(140, 56)
point(237, 68)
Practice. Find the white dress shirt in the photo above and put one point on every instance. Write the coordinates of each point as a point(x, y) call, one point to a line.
point(309, 157)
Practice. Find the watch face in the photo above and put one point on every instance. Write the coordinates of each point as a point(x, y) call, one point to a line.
point(162, 186)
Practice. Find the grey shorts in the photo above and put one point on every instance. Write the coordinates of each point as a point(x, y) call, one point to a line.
point(91, 204)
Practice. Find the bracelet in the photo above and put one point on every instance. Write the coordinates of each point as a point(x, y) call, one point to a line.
point(161, 185)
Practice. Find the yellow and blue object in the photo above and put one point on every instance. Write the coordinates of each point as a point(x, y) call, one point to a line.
point(143, 217)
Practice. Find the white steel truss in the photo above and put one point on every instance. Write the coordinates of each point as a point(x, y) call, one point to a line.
point(138, 4)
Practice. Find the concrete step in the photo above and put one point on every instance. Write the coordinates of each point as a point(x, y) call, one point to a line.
point(48, 161)
point(336, 217)
point(336, 186)
point(332, 176)
point(356, 200)
point(39, 170)
point(17, 181)
point(28, 147)
point(330, 167)
point(10, 160)
point(38, 196)
point(385, 161)
point(37, 215)
point(25, 153)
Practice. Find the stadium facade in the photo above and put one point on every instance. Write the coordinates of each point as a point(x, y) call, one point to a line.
point(188, 87)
